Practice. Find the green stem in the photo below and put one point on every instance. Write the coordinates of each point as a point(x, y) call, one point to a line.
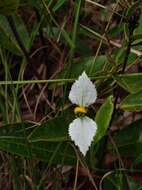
point(50, 81)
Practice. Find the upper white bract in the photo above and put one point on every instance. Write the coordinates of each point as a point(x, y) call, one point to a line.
point(83, 91)
point(83, 129)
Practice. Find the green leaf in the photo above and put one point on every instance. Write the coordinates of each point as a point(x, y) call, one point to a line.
point(54, 130)
point(78, 66)
point(22, 30)
point(132, 102)
point(7, 38)
point(103, 118)
point(13, 139)
point(58, 5)
point(129, 140)
point(52, 153)
point(137, 39)
point(138, 30)
point(135, 185)
point(130, 82)
point(138, 159)
point(115, 181)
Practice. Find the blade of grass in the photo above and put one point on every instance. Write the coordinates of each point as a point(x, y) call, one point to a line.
point(64, 33)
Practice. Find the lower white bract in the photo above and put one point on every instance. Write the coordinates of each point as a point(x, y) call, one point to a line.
point(82, 131)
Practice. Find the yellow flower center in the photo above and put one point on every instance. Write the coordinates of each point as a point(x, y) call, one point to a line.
point(80, 109)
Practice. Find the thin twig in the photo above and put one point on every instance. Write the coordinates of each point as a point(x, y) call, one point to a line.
point(76, 175)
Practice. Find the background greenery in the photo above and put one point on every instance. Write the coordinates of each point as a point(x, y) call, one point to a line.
point(44, 46)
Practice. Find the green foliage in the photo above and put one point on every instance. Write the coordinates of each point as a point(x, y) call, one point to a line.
point(103, 118)
point(129, 140)
point(55, 130)
point(132, 102)
point(14, 139)
point(84, 64)
point(118, 180)
point(7, 38)
point(7, 7)
point(115, 181)
point(44, 43)
point(130, 82)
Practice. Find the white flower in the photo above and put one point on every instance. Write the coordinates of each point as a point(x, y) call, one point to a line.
point(83, 129)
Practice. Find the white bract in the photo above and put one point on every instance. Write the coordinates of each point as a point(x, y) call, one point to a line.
point(83, 129)
point(83, 92)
